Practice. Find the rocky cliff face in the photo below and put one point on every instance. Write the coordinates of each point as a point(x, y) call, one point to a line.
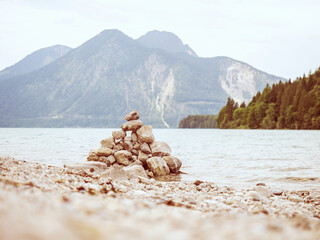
point(110, 74)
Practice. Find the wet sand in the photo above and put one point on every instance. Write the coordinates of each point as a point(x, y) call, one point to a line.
point(84, 201)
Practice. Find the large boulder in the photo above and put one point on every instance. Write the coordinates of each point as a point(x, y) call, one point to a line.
point(158, 166)
point(123, 157)
point(133, 115)
point(103, 151)
point(145, 134)
point(173, 163)
point(119, 134)
point(108, 142)
point(160, 149)
point(132, 125)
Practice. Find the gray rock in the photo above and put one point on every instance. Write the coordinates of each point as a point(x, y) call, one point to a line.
point(160, 149)
point(119, 134)
point(145, 134)
point(123, 157)
point(108, 142)
point(144, 147)
point(132, 125)
point(173, 163)
point(133, 115)
point(158, 166)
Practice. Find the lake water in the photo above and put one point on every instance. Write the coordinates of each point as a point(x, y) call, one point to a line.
point(238, 158)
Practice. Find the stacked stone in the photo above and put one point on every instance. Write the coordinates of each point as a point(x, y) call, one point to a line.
point(140, 148)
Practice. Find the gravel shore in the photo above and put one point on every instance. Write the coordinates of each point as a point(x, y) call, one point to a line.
point(85, 201)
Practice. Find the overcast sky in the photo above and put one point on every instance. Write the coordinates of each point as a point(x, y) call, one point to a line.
point(280, 37)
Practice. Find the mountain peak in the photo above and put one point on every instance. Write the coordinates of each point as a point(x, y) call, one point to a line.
point(167, 41)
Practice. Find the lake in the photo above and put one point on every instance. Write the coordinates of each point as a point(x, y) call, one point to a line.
point(285, 159)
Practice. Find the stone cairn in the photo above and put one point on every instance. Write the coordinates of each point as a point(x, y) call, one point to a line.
point(140, 148)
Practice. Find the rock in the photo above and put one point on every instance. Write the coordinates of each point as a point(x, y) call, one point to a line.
point(123, 157)
point(144, 180)
point(88, 166)
point(93, 156)
point(144, 147)
point(108, 142)
point(145, 134)
point(134, 137)
point(115, 172)
point(158, 166)
point(137, 162)
point(253, 195)
point(134, 152)
point(128, 145)
point(119, 134)
point(118, 147)
point(263, 190)
point(134, 158)
point(173, 163)
point(103, 151)
point(294, 198)
point(160, 149)
point(135, 171)
point(150, 173)
point(132, 125)
point(111, 159)
point(277, 192)
point(133, 115)
point(143, 157)
point(137, 146)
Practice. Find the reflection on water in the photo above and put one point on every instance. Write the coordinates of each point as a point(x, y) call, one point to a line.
point(239, 158)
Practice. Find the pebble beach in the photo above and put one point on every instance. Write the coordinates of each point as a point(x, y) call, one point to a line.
point(92, 201)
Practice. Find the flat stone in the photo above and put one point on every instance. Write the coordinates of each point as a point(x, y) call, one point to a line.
point(119, 134)
point(132, 125)
point(158, 166)
point(144, 147)
point(145, 134)
point(103, 151)
point(173, 163)
point(108, 142)
point(133, 115)
point(160, 149)
point(123, 157)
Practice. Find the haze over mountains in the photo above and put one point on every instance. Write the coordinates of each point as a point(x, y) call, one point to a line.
point(94, 84)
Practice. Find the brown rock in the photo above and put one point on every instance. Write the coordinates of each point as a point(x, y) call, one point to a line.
point(135, 171)
point(118, 147)
point(136, 146)
point(108, 142)
point(119, 134)
point(93, 156)
point(103, 151)
point(123, 157)
point(135, 152)
point(160, 149)
point(158, 166)
point(134, 137)
point(143, 157)
point(173, 163)
point(128, 145)
point(144, 147)
point(145, 134)
point(132, 125)
point(133, 115)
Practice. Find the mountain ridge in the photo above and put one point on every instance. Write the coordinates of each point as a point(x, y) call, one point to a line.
point(93, 84)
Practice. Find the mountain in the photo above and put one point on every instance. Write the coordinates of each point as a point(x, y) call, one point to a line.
point(166, 41)
point(111, 74)
point(34, 61)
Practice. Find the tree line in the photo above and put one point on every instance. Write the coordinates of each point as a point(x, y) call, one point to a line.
point(289, 105)
point(198, 121)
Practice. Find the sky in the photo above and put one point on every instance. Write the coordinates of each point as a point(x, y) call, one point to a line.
point(280, 37)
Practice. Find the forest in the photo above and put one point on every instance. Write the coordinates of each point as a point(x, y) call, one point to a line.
point(289, 105)
point(198, 121)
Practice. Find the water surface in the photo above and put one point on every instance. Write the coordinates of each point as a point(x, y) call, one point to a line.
point(239, 158)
